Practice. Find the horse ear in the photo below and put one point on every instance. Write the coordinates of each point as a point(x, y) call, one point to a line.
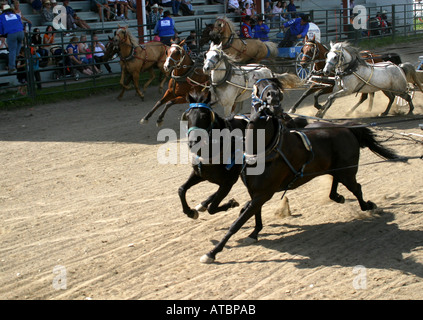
point(332, 44)
point(182, 42)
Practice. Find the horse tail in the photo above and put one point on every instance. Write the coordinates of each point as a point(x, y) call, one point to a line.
point(411, 74)
point(272, 49)
point(288, 80)
point(366, 138)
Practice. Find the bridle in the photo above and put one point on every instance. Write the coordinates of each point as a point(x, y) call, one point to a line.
point(176, 63)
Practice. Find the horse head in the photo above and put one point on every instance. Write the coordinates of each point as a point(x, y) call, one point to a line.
point(213, 57)
point(310, 51)
point(222, 29)
point(175, 56)
point(200, 117)
point(267, 94)
point(206, 35)
point(112, 48)
point(338, 58)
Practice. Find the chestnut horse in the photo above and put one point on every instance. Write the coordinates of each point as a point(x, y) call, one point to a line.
point(293, 158)
point(244, 50)
point(186, 75)
point(314, 52)
point(135, 59)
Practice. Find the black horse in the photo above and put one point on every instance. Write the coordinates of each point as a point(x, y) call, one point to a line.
point(292, 158)
point(218, 170)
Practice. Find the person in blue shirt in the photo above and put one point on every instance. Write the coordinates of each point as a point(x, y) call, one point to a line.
point(298, 29)
point(165, 28)
point(261, 30)
point(12, 27)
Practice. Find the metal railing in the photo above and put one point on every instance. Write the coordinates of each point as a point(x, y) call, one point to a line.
point(335, 25)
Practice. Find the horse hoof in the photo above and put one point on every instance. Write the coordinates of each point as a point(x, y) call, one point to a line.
point(143, 121)
point(319, 114)
point(291, 111)
point(233, 203)
point(206, 259)
point(159, 123)
point(200, 208)
point(193, 214)
point(382, 114)
point(371, 205)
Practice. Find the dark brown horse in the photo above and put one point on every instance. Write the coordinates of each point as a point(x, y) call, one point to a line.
point(205, 35)
point(186, 75)
point(314, 52)
point(135, 59)
point(291, 159)
point(203, 119)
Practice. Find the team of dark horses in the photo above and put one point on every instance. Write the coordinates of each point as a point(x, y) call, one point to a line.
point(294, 151)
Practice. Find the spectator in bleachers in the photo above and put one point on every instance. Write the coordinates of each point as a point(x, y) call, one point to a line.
point(278, 14)
point(74, 60)
point(21, 69)
point(47, 14)
point(11, 26)
point(234, 7)
point(36, 6)
point(174, 4)
point(4, 50)
point(99, 50)
point(268, 10)
point(123, 9)
point(103, 6)
point(186, 7)
point(73, 21)
point(292, 9)
point(36, 61)
point(48, 38)
point(25, 21)
point(154, 16)
point(85, 53)
point(37, 43)
point(161, 12)
point(165, 28)
point(191, 41)
point(113, 7)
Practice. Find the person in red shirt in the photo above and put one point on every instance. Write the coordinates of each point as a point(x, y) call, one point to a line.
point(245, 31)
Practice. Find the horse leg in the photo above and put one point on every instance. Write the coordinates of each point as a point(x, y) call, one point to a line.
point(371, 98)
point(303, 96)
point(221, 193)
point(350, 182)
point(170, 103)
point(136, 78)
point(329, 102)
point(391, 97)
point(317, 96)
point(362, 99)
point(253, 208)
point(192, 181)
point(162, 84)
point(334, 195)
point(167, 96)
point(125, 79)
point(152, 77)
point(408, 98)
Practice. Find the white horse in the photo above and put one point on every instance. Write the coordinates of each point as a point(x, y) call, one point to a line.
point(232, 84)
point(353, 75)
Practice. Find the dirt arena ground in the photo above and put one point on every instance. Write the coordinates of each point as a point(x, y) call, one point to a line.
point(88, 213)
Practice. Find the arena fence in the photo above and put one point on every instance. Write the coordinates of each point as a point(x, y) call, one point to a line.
point(55, 78)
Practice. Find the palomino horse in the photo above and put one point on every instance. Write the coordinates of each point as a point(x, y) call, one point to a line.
point(233, 84)
point(290, 162)
point(314, 52)
point(135, 59)
point(186, 75)
point(355, 75)
point(244, 50)
point(202, 119)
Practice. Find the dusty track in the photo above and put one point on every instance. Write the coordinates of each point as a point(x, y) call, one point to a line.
point(81, 188)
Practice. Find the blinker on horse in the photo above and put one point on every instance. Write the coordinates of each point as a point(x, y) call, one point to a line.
point(290, 162)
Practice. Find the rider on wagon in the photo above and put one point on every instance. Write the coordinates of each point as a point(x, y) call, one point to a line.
point(245, 31)
point(298, 29)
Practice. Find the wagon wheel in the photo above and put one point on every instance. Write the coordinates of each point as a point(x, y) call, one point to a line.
point(400, 101)
point(302, 71)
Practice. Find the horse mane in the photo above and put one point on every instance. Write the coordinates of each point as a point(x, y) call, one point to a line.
point(231, 58)
point(132, 39)
point(353, 51)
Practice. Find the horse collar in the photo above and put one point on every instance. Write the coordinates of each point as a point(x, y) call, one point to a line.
point(228, 73)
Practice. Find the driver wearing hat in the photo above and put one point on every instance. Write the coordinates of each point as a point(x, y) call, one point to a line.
point(298, 29)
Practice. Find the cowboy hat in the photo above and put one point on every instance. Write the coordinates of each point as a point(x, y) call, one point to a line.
point(155, 5)
point(6, 7)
